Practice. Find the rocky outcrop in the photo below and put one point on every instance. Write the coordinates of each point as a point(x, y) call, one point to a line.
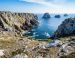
point(65, 15)
point(17, 21)
point(46, 16)
point(67, 50)
point(66, 28)
point(14, 46)
point(57, 16)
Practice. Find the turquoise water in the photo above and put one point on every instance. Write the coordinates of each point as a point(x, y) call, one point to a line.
point(47, 27)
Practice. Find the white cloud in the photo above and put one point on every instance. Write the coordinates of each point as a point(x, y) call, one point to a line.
point(46, 1)
point(43, 2)
point(51, 3)
point(53, 6)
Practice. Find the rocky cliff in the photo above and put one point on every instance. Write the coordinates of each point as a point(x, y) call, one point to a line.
point(66, 28)
point(13, 45)
point(18, 22)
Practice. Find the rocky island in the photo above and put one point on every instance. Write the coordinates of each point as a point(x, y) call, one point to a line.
point(46, 16)
point(57, 16)
point(65, 15)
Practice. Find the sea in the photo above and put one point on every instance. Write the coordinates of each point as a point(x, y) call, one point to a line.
point(47, 27)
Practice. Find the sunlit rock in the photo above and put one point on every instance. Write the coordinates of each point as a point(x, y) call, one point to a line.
point(18, 22)
point(20, 56)
point(1, 53)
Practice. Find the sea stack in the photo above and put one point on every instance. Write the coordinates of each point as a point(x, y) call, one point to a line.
point(57, 16)
point(46, 16)
point(65, 15)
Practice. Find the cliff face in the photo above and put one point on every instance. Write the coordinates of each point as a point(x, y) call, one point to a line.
point(66, 28)
point(17, 21)
point(12, 45)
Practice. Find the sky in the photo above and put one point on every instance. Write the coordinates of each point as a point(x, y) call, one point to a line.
point(38, 6)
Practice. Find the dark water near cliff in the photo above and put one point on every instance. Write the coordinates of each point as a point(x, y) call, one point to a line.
point(47, 27)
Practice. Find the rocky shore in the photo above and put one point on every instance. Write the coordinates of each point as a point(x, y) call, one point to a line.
point(18, 22)
point(14, 45)
point(66, 28)
point(66, 34)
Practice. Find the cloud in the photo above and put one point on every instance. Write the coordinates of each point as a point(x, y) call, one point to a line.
point(44, 2)
point(54, 6)
point(51, 3)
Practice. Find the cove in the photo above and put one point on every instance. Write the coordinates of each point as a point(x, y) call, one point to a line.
point(47, 27)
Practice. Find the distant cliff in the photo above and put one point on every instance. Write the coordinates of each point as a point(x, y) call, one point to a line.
point(66, 28)
point(17, 21)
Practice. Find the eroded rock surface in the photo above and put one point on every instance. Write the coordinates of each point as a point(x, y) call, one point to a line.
point(66, 28)
point(14, 45)
point(17, 21)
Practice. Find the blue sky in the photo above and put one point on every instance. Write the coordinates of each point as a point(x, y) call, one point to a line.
point(38, 6)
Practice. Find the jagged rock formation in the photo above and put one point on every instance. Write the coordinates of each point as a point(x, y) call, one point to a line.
point(67, 50)
point(17, 21)
point(66, 28)
point(65, 15)
point(57, 16)
point(46, 16)
point(13, 45)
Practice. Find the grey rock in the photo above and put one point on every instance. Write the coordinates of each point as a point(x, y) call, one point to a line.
point(66, 28)
point(11, 21)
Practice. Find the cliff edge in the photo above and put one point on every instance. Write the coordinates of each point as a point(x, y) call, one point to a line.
point(66, 28)
point(18, 22)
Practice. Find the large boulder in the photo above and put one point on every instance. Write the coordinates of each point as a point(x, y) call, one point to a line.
point(46, 16)
point(66, 28)
point(20, 56)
